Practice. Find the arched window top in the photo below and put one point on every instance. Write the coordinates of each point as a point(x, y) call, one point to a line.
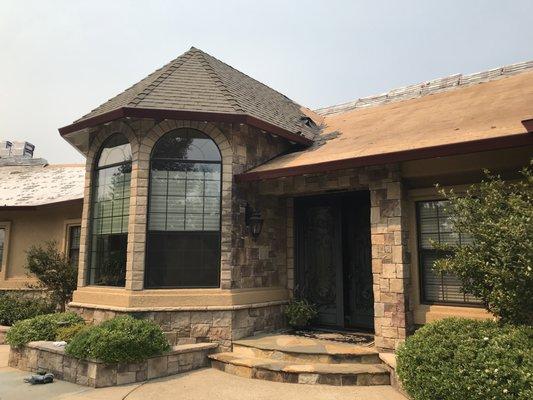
point(116, 150)
point(186, 144)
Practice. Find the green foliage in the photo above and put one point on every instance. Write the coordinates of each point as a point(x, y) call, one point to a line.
point(461, 359)
point(41, 327)
point(67, 333)
point(300, 313)
point(13, 309)
point(496, 266)
point(54, 272)
point(119, 340)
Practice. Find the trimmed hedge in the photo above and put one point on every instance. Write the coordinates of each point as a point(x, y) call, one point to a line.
point(67, 333)
point(13, 309)
point(119, 340)
point(41, 327)
point(462, 359)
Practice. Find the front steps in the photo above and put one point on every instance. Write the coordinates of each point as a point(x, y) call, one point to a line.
point(293, 359)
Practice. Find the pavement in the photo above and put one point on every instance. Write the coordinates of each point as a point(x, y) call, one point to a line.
point(203, 384)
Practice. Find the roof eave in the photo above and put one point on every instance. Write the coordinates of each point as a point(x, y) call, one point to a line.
point(183, 115)
point(30, 207)
point(474, 146)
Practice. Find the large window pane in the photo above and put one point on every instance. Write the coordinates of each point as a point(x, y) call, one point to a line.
point(110, 209)
point(183, 244)
point(435, 225)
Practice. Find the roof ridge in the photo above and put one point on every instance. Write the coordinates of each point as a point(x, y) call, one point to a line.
point(425, 88)
point(248, 76)
point(225, 90)
point(170, 68)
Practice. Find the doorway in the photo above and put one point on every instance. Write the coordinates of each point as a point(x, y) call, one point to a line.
point(333, 258)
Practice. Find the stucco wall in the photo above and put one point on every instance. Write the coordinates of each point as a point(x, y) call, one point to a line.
point(28, 227)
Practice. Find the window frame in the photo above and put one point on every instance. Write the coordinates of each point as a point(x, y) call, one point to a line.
point(147, 231)
point(6, 225)
point(420, 253)
point(68, 239)
point(94, 191)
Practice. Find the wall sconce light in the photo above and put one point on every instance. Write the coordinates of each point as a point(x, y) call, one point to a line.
point(253, 220)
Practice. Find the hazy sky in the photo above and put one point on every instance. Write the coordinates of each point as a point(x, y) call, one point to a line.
point(60, 59)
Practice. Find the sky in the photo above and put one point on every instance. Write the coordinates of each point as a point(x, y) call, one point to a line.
point(59, 59)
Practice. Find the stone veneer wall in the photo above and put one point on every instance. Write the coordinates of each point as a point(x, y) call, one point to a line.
point(389, 237)
point(242, 147)
point(198, 326)
point(44, 356)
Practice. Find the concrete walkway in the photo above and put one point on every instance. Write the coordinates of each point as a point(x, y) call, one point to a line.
point(205, 384)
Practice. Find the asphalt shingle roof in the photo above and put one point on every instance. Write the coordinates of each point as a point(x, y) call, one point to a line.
point(196, 81)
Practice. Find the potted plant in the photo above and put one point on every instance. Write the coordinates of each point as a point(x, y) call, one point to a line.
point(300, 313)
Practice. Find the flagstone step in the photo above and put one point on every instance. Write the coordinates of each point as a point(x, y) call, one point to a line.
point(340, 374)
point(298, 349)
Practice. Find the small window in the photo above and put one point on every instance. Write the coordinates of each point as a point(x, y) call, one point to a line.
point(74, 245)
point(434, 224)
point(110, 213)
point(2, 245)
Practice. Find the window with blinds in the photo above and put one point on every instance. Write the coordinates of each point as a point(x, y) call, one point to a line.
point(434, 224)
point(110, 213)
point(74, 245)
point(2, 244)
point(183, 237)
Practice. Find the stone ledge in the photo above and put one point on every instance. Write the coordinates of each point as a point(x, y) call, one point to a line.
point(389, 359)
point(37, 356)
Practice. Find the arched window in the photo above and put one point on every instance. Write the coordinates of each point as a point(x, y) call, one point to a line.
point(110, 212)
point(183, 240)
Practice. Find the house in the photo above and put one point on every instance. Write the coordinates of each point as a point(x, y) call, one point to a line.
point(38, 202)
point(210, 199)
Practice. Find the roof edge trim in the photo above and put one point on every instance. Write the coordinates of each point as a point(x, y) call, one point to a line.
point(474, 146)
point(528, 124)
point(36, 206)
point(184, 115)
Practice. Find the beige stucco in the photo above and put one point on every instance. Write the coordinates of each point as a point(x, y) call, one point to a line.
point(31, 226)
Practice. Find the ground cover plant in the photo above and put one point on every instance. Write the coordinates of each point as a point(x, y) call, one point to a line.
point(41, 327)
point(462, 359)
point(119, 340)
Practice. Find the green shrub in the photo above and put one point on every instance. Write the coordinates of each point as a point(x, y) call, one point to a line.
point(495, 263)
point(41, 327)
point(13, 309)
point(121, 339)
point(67, 333)
point(300, 313)
point(461, 359)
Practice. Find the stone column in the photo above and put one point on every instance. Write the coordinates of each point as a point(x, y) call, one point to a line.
point(390, 257)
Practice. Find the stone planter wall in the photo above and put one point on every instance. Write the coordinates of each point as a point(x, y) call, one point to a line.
point(212, 324)
point(3, 332)
point(39, 356)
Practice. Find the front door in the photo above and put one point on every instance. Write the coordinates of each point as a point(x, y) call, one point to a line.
point(333, 258)
point(320, 279)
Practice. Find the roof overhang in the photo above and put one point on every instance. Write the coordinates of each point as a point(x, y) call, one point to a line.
point(474, 146)
point(37, 206)
point(160, 114)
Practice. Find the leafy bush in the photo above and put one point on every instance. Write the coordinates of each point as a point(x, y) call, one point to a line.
point(496, 264)
point(13, 309)
point(300, 313)
point(461, 359)
point(41, 327)
point(67, 333)
point(121, 339)
point(54, 271)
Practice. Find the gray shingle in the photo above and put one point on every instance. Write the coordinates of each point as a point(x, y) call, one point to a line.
point(196, 81)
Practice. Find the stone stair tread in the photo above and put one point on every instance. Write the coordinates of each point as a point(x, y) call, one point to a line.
point(302, 345)
point(297, 368)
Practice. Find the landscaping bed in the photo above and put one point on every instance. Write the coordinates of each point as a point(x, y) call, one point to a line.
point(45, 356)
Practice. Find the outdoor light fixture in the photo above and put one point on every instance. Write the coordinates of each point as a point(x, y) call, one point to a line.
point(253, 220)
